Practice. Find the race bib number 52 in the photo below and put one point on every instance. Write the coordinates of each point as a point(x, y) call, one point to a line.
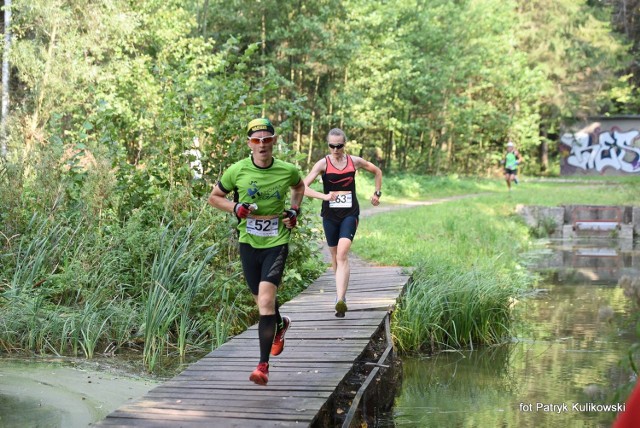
point(263, 225)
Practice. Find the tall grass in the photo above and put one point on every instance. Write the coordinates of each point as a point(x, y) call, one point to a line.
point(177, 274)
point(92, 328)
point(88, 266)
point(467, 259)
point(35, 255)
point(447, 306)
point(25, 316)
point(226, 318)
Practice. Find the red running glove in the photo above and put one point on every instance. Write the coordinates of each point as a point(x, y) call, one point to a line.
point(292, 214)
point(242, 210)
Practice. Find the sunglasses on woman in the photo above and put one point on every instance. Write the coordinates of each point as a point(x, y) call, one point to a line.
point(267, 140)
point(336, 146)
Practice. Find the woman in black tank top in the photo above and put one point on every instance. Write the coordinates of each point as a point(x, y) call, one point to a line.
point(340, 207)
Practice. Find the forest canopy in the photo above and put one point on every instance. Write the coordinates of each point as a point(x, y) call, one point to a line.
point(426, 86)
point(109, 99)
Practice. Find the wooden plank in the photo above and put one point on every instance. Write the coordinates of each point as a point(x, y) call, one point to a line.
point(232, 395)
point(124, 421)
point(249, 404)
point(202, 415)
point(242, 367)
point(328, 334)
point(340, 324)
point(320, 352)
point(220, 423)
point(300, 378)
point(216, 363)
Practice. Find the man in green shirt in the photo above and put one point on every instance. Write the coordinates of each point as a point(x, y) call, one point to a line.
point(260, 184)
point(511, 161)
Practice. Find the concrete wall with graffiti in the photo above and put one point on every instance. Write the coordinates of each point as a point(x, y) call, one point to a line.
point(602, 146)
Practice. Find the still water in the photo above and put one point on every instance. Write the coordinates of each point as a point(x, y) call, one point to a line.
point(560, 370)
point(55, 394)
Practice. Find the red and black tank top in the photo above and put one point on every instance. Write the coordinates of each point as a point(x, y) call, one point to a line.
point(342, 182)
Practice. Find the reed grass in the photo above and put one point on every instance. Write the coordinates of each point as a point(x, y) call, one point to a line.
point(177, 274)
point(69, 336)
point(93, 326)
point(449, 307)
point(34, 255)
point(228, 316)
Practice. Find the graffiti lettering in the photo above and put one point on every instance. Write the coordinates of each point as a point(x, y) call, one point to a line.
point(613, 149)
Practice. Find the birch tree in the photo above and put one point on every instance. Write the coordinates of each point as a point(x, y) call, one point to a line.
point(5, 79)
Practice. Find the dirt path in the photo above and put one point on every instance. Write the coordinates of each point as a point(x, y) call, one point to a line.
point(384, 208)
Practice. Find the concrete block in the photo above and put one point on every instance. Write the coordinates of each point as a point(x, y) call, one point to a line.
point(568, 232)
point(534, 216)
point(635, 219)
point(626, 232)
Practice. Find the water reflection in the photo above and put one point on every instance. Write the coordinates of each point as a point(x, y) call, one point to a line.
point(563, 362)
point(589, 262)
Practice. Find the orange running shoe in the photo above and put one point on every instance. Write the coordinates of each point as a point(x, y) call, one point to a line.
point(260, 376)
point(278, 340)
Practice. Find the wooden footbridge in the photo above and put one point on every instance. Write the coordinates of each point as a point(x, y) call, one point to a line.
point(304, 381)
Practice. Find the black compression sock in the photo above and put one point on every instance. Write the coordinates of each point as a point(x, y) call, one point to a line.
point(266, 333)
point(279, 324)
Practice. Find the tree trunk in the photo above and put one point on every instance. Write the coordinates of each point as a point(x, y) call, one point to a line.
point(310, 151)
point(203, 19)
point(33, 122)
point(544, 155)
point(297, 145)
point(346, 80)
point(263, 50)
point(388, 152)
point(5, 78)
point(431, 157)
point(450, 154)
point(421, 149)
point(313, 120)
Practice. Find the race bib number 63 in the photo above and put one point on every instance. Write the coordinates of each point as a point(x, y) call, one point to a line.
point(343, 200)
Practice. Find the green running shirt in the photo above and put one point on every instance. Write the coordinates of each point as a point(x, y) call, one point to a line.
point(511, 161)
point(266, 187)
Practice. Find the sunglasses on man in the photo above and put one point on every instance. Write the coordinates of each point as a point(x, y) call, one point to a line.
point(267, 140)
point(336, 146)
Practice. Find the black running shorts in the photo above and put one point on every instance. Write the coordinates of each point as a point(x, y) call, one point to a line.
point(263, 264)
point(334, 230)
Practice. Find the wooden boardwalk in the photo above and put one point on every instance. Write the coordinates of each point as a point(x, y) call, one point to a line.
point(320, 351)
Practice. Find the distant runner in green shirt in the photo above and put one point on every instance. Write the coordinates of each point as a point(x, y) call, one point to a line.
point(260, 184)
point(511, 161)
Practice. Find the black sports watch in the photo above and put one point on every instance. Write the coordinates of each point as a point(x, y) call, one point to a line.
point(378, 193)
